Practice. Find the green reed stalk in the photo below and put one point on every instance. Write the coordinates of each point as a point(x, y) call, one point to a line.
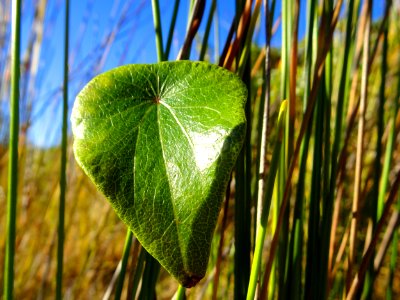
point(326, 122)
point(207, 31)
point(377, 207)
point(249, 163)
point(261, 118)
point(384, 178)
point(297, 231)
point(287, 149)
point(322, 186)
point(216, 38)
point(149, 278)
point(269, 188)
point(269, 16)
point(180, 293)
point(292, 279)
point(379, 194)
point(158, 29)
point(285, 49)
point(293, 29)
point(138, 272)
point(280, 257)
point(262, 124)
point(333, 198)
point(263, 113)
point(12, 193)
point(326, 222)
point(272, 286)
point(63, 169)
point(219, 251)
point(124, 262)
point(171, 29)
point(243, 204)
point(315, 195)
point(390, 147)
point(242, 215)
point(248, 178)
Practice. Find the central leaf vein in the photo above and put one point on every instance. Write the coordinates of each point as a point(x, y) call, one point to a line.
point(179, 123)
point(176, 220)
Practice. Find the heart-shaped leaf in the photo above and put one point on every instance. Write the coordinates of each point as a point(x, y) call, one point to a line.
point(160, 142)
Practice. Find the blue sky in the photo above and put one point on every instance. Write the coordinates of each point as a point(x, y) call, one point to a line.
point(90, 24)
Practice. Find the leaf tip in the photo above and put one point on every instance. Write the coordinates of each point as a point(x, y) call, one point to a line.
point(191, 280)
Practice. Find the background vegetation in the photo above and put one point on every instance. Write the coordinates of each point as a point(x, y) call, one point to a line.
point(321, 183)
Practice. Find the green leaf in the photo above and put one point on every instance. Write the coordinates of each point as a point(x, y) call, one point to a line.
point(160, 142)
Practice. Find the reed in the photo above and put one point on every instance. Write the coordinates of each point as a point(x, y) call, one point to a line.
point(63, 169)
point(12, 195)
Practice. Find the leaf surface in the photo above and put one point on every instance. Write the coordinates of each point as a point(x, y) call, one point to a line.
point(160, 141)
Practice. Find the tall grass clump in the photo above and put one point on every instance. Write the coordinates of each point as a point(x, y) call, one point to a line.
point(311, 209)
